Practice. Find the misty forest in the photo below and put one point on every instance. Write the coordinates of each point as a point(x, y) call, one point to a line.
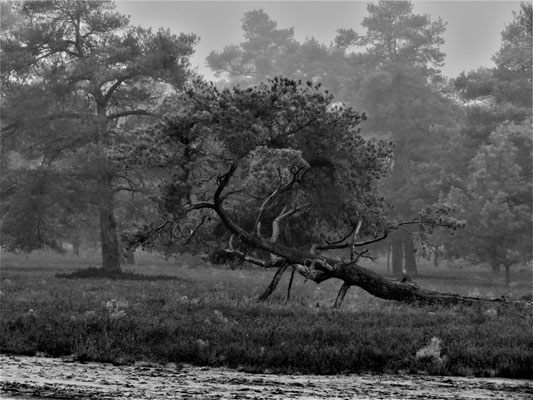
point(318, 208)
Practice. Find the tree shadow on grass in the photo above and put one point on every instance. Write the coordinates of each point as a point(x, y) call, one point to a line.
point(99, 273)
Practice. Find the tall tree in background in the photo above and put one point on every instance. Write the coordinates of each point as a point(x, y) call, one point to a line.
point(495, 157)
point(269, 51)
point(401, 58)
point(71, 71)
point(497, 201)
point(514, 61)
point(264, 51)
point(494, 95)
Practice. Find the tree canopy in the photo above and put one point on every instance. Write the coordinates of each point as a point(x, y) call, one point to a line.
point(274, 164)
point(495, 157)
point(71, 72)
point(496, 202)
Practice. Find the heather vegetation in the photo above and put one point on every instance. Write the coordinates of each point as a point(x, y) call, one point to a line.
point(209, 316)
point(391, 194)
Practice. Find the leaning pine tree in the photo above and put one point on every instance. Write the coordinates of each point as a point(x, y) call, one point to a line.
point(288, 176)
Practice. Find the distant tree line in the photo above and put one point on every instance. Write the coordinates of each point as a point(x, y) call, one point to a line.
point(301, 148)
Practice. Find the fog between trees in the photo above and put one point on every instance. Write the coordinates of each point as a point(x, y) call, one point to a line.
point(361, 145)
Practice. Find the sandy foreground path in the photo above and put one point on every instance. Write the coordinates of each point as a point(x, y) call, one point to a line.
point(52, 378)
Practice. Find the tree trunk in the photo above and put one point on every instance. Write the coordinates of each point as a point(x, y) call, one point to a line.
point(436, 257)
point(108, 228)
point(507, 275)
point(409, 253)
point(108, 225)
point(407, 292)
point(290, 286)
point(76, 244)
point(342, 293)
point(274, 283)
point(389, 250)
point(397, 255)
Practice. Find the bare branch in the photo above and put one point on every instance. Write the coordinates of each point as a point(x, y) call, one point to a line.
point(282, 215)
point(127, 189)
point(293, 211)
point(128, 113)
point(274, 194)
point(344, 245)
point(113, 88)
point(245, 257)
point(352, 249)
point(345, 237)
point(162, 226)
point(205, 218)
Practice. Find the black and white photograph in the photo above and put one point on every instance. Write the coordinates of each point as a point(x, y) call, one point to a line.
point(278, 200)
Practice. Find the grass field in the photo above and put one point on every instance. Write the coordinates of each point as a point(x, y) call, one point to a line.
point(183, 311)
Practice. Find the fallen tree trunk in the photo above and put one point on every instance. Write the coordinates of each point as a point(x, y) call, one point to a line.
point(319, 268)
point(409, 292)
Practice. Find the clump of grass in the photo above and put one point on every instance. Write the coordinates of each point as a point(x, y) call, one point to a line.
point(429, 357)
point(100, 273)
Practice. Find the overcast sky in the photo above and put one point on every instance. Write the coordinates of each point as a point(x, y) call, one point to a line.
point(472, 36)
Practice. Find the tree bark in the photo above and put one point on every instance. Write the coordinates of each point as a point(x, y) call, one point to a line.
point(340, 296)
point(408, 292)
point(397, 255)
point(108, 228)
point(409, 254)
point(274, 283)
point(108, 225)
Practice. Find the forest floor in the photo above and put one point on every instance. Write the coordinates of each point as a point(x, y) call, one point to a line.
point(54, 378)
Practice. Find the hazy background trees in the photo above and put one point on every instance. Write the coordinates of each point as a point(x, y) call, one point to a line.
point(442, 129)
point(77, 80)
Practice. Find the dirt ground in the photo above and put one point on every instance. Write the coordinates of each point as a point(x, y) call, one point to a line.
point(51, 378)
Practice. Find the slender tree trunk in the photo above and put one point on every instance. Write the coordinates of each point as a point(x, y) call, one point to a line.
point(342, 293)
point(436, 257)
point(291, 280)
point(76, 244)
point(389, 250)
point(397, 255)
point(409, 254)
point(274, 283)
point(507, 275)
point(108, 228)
